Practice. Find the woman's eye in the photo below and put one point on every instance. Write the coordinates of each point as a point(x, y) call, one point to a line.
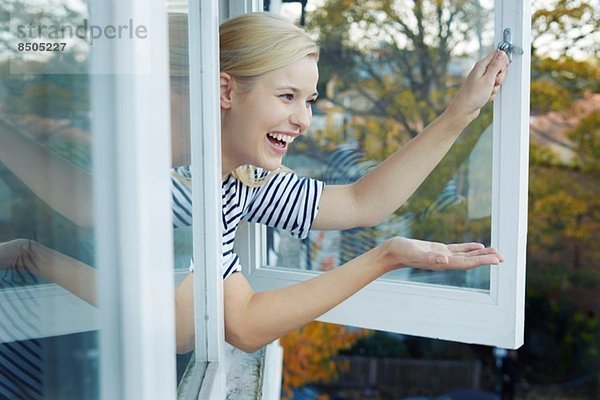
point(288, 97)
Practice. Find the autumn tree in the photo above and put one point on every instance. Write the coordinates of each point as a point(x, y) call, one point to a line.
point(565, 28)
point(586, 137)
point(395, 54)
point(564, 45)
point(394, 58)
point(563, 310)
point(562, 275)
point(308, 353)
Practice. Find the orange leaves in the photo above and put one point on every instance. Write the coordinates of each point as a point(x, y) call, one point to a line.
point(309, 351)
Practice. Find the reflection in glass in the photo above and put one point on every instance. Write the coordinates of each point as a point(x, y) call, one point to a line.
point(48, 345)
point(180, 145)
point(402, 63)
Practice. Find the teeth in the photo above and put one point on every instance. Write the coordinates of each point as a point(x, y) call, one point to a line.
point(282, 137)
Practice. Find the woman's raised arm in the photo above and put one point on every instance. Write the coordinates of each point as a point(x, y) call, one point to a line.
point(377, 195)
point(65, 187)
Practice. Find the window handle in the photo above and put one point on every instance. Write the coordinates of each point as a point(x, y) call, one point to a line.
point(506, 45)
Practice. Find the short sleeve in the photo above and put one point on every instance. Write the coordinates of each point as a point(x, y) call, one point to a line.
point(231, 265)
point(286, 201)
point(181, 194)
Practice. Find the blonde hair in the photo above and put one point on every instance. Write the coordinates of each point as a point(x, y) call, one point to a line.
point(254, 44)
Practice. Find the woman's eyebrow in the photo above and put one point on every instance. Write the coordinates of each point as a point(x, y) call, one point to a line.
point(295, 90)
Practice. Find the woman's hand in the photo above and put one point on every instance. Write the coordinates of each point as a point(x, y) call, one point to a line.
point(404, 252)
point(481, 86)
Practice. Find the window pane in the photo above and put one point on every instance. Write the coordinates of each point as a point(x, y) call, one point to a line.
point(48, 341)
point(387, 70)
point(180, 142)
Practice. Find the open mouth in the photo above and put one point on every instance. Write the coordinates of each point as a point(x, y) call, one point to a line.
point(280, 140)
point(277, 142)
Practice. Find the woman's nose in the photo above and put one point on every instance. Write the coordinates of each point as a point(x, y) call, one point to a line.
point(302, 117)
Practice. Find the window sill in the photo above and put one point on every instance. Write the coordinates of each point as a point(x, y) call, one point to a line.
point(254, 376)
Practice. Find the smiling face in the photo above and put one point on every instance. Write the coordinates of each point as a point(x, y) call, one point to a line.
point(258, 124)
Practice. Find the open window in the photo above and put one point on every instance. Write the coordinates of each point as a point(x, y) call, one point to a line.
point(477, 193)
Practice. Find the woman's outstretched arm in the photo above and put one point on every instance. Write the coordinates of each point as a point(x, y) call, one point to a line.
point(254, 319)
point(377, 195)
point(28, 257)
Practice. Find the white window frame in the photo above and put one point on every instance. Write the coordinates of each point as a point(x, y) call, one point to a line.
point(207, 371)
point(207, 374)
point(494, 317)
point(207, 378)
point(132, 214)
point(134, 241)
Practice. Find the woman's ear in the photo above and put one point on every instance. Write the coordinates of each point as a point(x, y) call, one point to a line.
point(226, 86)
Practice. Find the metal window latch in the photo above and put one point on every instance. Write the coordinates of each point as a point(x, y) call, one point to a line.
point(506, 45)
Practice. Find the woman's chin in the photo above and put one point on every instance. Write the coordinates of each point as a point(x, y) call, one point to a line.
point(270, 165)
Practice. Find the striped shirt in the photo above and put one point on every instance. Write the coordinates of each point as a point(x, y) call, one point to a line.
point(286, 201)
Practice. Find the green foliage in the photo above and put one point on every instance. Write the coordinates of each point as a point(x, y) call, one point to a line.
point(575, 76)
point(542, 156)
point(548, 96)
point(398, 55)
point(395, 58)
point(563, 27)
point(556, 84)
point(564, 206)
point(562, 274)
point(586, 136)
point(563, 217)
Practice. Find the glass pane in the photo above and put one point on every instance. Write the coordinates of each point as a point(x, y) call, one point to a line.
point(387, 69)
point(180, 144)
point(48, 337)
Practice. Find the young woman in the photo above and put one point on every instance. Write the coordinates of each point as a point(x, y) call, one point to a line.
point(268, 82)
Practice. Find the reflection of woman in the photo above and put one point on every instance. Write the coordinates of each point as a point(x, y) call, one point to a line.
point(267, 85)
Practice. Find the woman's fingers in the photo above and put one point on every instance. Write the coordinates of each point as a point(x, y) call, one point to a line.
point(498, 83)
point(462, 262)
point(478, 252)
point(496, 65)
point(469, 255)
point(439, 256)
point(500, 77)
point(464, 247)
point(492, 64)
point(489, 251)
point(481, 66)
